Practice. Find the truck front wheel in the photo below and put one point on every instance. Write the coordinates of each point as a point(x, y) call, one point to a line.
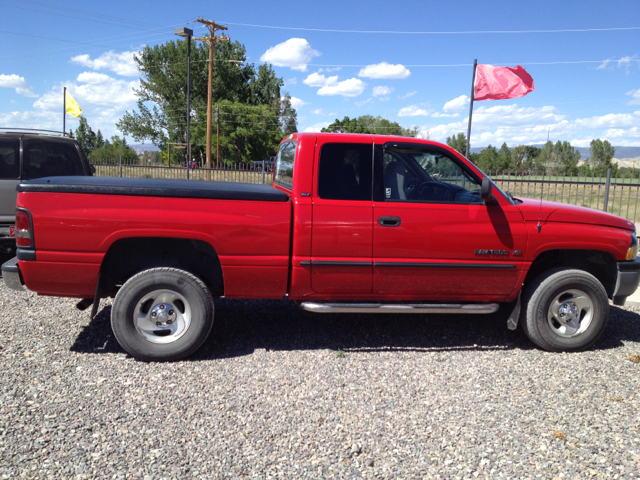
point(162, 314)
point(566, 310)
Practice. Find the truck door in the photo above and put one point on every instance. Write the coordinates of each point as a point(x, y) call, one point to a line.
point(342, 237)
point(433, 235)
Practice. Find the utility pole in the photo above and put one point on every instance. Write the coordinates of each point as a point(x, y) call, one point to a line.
point(211, 40)
point(218, 134)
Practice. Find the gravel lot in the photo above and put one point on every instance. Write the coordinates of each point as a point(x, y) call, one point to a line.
point(278, 392)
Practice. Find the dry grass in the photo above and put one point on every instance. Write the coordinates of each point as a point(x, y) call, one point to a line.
point(558, 435)
point(634, 358)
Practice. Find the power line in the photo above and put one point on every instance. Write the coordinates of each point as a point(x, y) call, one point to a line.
point(470, 32)
point(92, 14)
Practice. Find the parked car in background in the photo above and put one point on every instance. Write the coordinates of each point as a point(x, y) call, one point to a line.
point(267, 165)
point(29, 155)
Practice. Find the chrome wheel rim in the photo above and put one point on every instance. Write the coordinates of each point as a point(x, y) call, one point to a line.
point(162, 316)
point(570, 313)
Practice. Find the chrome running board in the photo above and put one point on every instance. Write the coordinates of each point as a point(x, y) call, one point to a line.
point(481, 308)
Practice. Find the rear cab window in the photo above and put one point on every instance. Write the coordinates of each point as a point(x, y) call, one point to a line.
point(284, 164)
point(49, 158)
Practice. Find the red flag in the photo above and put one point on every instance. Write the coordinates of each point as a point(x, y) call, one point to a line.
point(500, 83)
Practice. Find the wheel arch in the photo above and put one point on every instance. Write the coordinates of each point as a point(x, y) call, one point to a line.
point(127, 257)
point(599, 263)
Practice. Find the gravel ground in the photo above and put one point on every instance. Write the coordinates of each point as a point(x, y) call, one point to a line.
point(278, 392)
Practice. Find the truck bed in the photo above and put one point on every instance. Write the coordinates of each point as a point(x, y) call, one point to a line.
point(77, 220)
point(151, 187)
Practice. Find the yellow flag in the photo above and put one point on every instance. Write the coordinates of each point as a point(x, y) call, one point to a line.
point(73, 108)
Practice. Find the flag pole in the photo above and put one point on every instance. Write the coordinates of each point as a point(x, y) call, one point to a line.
point(473, 87)
point(64, 111)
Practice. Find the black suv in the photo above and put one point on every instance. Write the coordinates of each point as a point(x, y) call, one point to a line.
point(24, 156)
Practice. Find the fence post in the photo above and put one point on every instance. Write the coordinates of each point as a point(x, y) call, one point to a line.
point(121, 165)
point(606, 190)
point(264, 167)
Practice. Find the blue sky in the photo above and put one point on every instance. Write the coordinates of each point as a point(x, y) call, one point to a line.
point(332, 74)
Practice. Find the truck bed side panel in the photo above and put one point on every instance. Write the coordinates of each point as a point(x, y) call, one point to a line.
point(251, 238)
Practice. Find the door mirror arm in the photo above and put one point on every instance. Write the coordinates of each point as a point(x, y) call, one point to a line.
point(486, 191)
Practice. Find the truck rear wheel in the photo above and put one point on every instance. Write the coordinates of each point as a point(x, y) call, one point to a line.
point(162, 314)
point(566, 310)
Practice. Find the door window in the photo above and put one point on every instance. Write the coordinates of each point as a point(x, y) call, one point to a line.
point(345, 171)
point(426, 175)
point(50, 158)
point(284, 164)
point(9, 159)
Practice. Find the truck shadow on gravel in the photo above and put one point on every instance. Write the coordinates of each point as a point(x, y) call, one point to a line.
point(242, 326)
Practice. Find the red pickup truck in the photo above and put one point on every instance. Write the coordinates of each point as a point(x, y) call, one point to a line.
point(351, 223)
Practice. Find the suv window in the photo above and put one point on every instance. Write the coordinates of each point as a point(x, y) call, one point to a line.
point(50, 158)
point(284, 164)
point(345, 171)
point(427, 175)
point(9, 158)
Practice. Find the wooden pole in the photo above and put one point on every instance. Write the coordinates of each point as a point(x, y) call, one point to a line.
point(218, 134)
point(211, 41)
point(212, 46)
point(473, 88)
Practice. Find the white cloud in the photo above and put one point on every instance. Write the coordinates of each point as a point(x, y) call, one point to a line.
point(412, 111)
point(362, 103)
point(96, 89)
point(635, 97)
point(445, 115)
point(317, 80)
point(456, 104)
point(297, 103)
point(530, 125)
point(319, 111)
point(410, 94)
point(120, 63)
point(385, 70)
point(336, 69)
point(347, 88)
point(603, 65)
point(17, 82)
point(384, 99)
point(317, 127)
point(625, 61)
point(290, 81)
point(380, 91)
point(295, 53)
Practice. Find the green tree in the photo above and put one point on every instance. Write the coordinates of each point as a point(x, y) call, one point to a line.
point(99, 143)
point(85, 136)
point(255, 137)
point(601, 157)
point(523, 157)
point(161, 111)
point(112, 151)
point(372, 125)
point(490, 160)
point(458, 143)
point(288, 115)
point(567, 158)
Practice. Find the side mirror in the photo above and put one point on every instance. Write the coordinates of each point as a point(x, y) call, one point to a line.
point(485, 191)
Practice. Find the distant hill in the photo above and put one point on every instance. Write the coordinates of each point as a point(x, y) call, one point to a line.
point(144, 147)
point(622, 153)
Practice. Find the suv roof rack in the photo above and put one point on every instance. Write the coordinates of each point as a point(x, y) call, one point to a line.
point(32, 131)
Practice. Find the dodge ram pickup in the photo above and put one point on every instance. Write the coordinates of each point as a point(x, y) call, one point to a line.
point(351, 223)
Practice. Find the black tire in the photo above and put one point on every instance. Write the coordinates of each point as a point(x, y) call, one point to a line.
point(189, 320)
point(569, 288)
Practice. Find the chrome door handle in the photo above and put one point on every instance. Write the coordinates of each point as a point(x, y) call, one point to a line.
point(389, 221)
